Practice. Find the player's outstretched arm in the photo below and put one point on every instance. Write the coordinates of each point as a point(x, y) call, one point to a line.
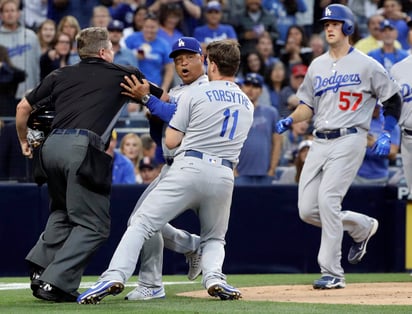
point(301, 113)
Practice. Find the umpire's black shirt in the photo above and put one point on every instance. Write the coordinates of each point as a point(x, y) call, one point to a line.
point(86, 95)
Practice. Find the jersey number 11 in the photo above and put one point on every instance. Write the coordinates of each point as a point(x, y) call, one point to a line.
point(227, 116)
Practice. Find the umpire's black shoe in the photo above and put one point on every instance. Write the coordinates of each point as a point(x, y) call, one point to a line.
point(35, 273)
point(51, 293)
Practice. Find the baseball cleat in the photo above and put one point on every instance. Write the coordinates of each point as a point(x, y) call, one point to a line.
point(141, 293)
point(224, 291)
point(329, 282)
point(358, 250)
point(195, 268)
point(100, 290)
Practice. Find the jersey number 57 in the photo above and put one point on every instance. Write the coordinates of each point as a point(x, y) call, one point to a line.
point(349, 101)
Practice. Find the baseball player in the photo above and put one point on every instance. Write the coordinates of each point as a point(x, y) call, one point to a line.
point(401, 72)
point(189, 62)
point(340, 91)
point(210, 124)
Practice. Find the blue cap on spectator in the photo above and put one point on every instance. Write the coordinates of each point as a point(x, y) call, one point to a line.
point(387, 24)
point(213, 6)
point(115, 25)
point(185, 44)
point(147, 162)
point(253, 79)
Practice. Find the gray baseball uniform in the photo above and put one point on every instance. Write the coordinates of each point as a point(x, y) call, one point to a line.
point(215, 118)
point(342, 95)
point(401, 72)
point(177, 240)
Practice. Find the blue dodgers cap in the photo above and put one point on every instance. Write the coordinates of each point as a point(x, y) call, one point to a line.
point(253, 79)
point(185, 44)
point(115, 25)
point(387, 24)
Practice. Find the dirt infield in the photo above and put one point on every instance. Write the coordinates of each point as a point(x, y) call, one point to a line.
point(388, 293)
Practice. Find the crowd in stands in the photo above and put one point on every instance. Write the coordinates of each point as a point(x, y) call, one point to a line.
point(278, 39)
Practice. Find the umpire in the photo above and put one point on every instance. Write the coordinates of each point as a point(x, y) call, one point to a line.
point(87, 99)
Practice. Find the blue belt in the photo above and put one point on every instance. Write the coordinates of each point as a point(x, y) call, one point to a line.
point(408, 132)
point(196, 154)
point(94, 139)
point(331, 134)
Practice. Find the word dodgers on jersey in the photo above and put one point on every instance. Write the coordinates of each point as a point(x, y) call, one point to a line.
point(222, 95)
point(334, 82)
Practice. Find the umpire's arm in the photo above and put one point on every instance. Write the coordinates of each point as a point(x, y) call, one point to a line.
point(23, 111)
point(173, 137)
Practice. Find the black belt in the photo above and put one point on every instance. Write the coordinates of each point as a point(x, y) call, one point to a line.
point(196, 154)
point(408, 132)
point(331, 134)
point(94, 139)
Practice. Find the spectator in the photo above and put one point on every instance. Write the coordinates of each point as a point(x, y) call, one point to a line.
point(296, 49)
point(392, 10)
point(131, 147)
point(57, 57)
point(34, 13)
point(46, 33)
point(83, 10)
point(252, 23)
point(275, 79)
point(22, 44)
point(288, 101)
point(100, 17)
point(122, 167)
point(260, 153)
point(317, 45)
point(69, 25)
point(149, 169)
point(291, 174)
point(10, 77)
point(149, 145)
point(265, 48)
point(252, 62)
point(139, 15)
point(375, 169)
point(122, 55)
point(291, 139)
point(374, 39)
point(152, 53)
point(213, 29)
point(122, 11)
point(170, 20)
point(388, 55)
point(285, 15)
point(192, 12)
point(306, 19)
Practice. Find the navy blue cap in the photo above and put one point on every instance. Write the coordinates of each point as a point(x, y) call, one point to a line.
point(185, 44)
point(115, 25)
point(254, 79)
point(387, 24)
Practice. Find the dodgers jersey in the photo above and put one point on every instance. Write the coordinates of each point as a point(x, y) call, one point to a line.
point(401, 72)
point(344, 93)
point(175, 93)
point(215, 117)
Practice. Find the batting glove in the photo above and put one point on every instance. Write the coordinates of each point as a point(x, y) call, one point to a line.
point(382, 145)
point(283, 124)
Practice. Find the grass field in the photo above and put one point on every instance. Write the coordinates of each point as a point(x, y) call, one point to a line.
point(21, 301)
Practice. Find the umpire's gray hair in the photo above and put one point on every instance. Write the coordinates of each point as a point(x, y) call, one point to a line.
point(90, 40)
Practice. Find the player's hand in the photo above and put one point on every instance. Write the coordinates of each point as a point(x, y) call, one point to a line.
point(134, 88)
point(283, 124)
point(382, 145)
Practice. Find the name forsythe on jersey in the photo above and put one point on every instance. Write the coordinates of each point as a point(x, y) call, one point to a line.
point(334, 82)
point(228, 96)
